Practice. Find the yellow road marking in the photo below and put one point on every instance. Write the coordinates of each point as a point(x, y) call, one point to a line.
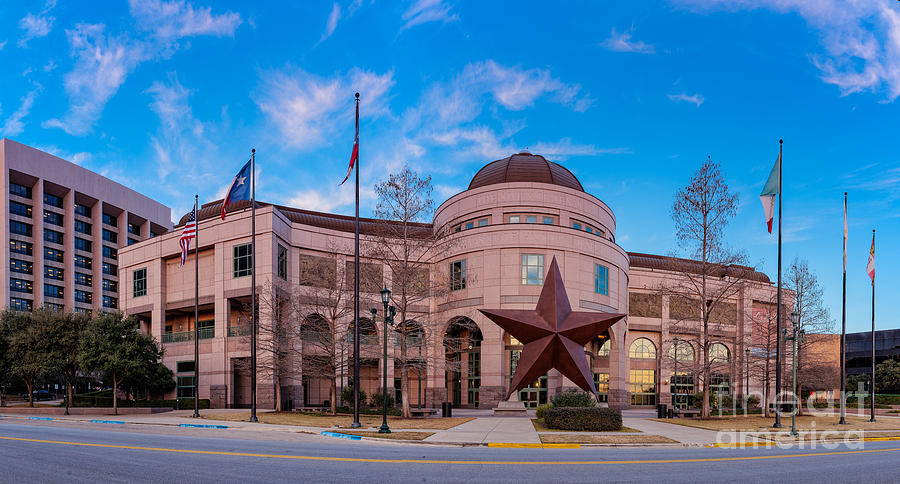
point(436, 461)
point(771, 443)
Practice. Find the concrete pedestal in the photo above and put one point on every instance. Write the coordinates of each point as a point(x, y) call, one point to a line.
point(511, 408)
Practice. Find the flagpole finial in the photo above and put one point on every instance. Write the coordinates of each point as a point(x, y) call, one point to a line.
point(253, 150)
point(357, 96)
point(781, 141)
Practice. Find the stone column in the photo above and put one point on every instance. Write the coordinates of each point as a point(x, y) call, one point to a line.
point(619, 393)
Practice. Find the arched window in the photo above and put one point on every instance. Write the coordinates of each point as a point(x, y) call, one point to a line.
point(685, 351)
point(642, 348)
point(604, 349)
point(718, 353)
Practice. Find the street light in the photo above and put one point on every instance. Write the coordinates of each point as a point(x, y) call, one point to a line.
point(794, 338)
point(388, 322)
point(675, 380)
point(747, 375)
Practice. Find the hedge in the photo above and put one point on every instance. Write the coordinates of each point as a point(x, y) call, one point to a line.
point(583, 418)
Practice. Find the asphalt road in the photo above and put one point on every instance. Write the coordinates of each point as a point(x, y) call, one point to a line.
point(48, 452)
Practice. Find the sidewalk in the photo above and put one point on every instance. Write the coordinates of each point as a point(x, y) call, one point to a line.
point(485, 430)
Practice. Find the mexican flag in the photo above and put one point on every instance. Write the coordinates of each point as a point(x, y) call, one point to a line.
point(770, 191)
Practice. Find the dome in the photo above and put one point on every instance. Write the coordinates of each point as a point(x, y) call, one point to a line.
point(525, 167)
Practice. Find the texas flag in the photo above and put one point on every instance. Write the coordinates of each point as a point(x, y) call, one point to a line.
point(239, 189)
point(770, 191)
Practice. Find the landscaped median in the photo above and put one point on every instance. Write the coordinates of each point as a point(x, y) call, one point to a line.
point(623, 436)
point(339, 421)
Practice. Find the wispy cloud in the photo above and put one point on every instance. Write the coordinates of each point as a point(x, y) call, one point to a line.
point(13, 125)
point(860, 38)
point(683, 97)
point(621, 42)
point(565, 148)
point(329, 199)
point(178, 19)
point(425, 11)
point(332, 22)
point(35, 26)
point(2, 44)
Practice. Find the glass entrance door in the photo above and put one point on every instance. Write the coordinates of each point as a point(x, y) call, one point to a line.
point(534, 394)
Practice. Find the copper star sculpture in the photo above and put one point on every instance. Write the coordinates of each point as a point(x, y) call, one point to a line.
point(554, 336)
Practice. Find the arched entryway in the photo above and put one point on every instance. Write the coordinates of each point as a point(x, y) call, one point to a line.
point(462, 351)
point(414, 364)
point(369, 356)
point(319, 364)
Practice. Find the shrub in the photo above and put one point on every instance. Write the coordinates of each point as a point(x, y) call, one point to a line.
point(583, 418)
point(377, 400)
point(572, 398)
point(347, 396)
point(539, 411)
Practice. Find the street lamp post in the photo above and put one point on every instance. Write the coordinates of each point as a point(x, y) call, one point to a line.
point(388, 322)
point(747, 376)
point(796, 335)
point(675, 380)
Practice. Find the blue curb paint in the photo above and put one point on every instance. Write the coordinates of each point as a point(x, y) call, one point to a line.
point(39, 418)
point(341, 436)
point(203, 426)
point(108, 422)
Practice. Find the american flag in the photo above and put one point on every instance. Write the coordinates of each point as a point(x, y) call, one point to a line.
point(188, 233)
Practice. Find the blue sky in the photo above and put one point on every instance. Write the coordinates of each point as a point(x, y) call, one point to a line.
point(169, 97)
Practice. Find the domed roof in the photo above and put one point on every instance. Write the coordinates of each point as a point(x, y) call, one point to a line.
point(525, 167)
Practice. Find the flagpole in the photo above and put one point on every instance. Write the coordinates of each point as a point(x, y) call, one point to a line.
point(778, 315)
point(872, 402)
point(356, 423)
point(253, 323)
point(196, 310)
point(843, 420)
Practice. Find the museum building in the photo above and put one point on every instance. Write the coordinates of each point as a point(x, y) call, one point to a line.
point(517, 215)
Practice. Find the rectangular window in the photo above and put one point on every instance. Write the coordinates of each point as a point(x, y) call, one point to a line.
point(20, 190)
point(588, 229)
point(110, 285)
point(601, 279)
point(134, 229)
point(282, 262)
point(20, 285)
point(643, 387)
point(53, 218)
point(601, 380)
point(531, 219)
point(83, 227)
point(19, 304)
point(110, 236)
point(55, 307)
point(110, 253)
point(513, 219)
point(53, 200)
point(83, 244)
point(54, 273)
point(185, 387)
point(53, 236)
point(470, 225)
point(532, 269)
point(83, 297)
point(184, 367)
point(152, 234)
point(53, 291)
point(241, 261)
point(21, 209)
point(53, 255)
point(132, 241)
point(458, 228)
point(82, 210)
point(110, 220)
point(83, 262)
point(140, 282)
point(21, 266)
point(83, 279)
point(19, 247)
point(458, 275)
point(110, 302)
point(110, 269)
point(576, 225)
point(547, 220)
point(19, 228)
point(483, 222)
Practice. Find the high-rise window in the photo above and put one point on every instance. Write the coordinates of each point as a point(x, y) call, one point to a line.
point(140, 282)
point(53, 236)
point(241, 261)
point(110, 302)
point(21, 266)
point(83, 279)
point(110, 220)
point(82, 227)
point(20, 190)
point(458, 275)
point(51, 290)
point(110, 285)
point(110, 269)
point(19, 228)
point(83, 244)
point(20, 285)
point(82, 210)
point(19, 247)
point(54, 273)
point(532, 269)
point(83, 297)
point(53, 255)
point(601, 279)
point(21, 209)
point(53, 200)
point(282, 262)
point(134, 229)
point(19, 304)
point(53, 218)
point(132, 241)
point(110, 236)
point(110, 252)
point(83, 262)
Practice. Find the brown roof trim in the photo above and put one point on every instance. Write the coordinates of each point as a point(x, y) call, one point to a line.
point(666, 263)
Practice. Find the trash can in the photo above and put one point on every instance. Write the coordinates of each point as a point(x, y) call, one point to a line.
point(671, 413)
point(446, 409)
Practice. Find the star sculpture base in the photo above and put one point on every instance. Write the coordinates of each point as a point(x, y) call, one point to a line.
point(553, 335)
point(511, 407)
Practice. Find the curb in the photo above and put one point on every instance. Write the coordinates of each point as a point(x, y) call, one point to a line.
point(772, 443)
point(341, 436)
point(511, 445)
point(40, 418)
point(202, 426)
point(108, 422)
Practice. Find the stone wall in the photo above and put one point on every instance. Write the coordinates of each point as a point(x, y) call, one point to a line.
point(217, 396)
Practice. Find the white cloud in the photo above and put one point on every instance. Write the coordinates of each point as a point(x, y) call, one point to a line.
point(13, 125)
point(861, 38)
point(178, 19)
point(564, 148)
point(102, 63)
point(332, 22)
point(77, 158)
point(49, 66)
point(683, 97)
point(622, 43)
point(179, 132)
point(2, 45)
point(306, 108)
point(35, 27)
point(424, 11)
point(329, 200)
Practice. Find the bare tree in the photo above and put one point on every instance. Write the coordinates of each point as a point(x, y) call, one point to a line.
point(700, 299)
point(765, 337)
point(815, 370)
point(277, 331)
point(406, 244)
